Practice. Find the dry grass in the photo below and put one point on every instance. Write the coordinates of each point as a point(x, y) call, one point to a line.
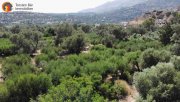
point(125, 84)
point(131, 90)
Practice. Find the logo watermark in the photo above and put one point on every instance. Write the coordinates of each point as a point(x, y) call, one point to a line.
point(10, 7)
point(23, 7)
point(7, 7)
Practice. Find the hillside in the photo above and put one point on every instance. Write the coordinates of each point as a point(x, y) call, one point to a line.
point(115, 15)
point(161, 17)
point(126, 14)
point(113, 5)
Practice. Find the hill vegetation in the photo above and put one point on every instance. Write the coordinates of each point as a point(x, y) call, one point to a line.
point(113, 12)
point(87, 63)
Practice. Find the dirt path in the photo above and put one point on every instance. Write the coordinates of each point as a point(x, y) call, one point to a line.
point(132, 91)
point(1, 75)
point(38, 52)
point(87, 49)
point(33, 61)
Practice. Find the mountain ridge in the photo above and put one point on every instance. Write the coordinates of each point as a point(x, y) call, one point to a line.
point(115, 16)
point(113, 5)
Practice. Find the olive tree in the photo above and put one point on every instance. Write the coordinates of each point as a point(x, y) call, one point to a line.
point(176, 39)
point(61, 31)
point(27, 40)
point(151, 57)
point(119, 33)
point(86, 28)
point(149, 24)
point(166, 33)
point(15, 29)
point(159, 82)
point(75, 43)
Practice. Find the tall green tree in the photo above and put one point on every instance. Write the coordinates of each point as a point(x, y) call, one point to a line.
point(86, 28)
point(160, 83)
point(176, 39)
point(151, 57)
point(27, 40)
point(61, 31)
point(75, 43)
point(149, 24)
point(119, 33)
point(165, 34)
point(15, 29)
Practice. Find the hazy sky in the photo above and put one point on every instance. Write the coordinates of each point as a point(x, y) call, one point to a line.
point(60, 6)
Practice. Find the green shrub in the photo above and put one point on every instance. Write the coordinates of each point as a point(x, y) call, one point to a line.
point(62, 31)
point(86, 28)
point(3, 93)
point(27, 41)
point(136, 30)
point(22, 88)
point(176, 49)
point(72, 89)
point(99, 47)
point(50, 31)
point(102, 30)
point(58, 69)
point(119, 88)
point(75, 44)
point(139, 44)
point(15, 29)
point(176, 36)
point(176, 61)
point(6, 47)
point(98, 98)
point(158, 82)
point(119, 33)
point(114, 91)
point(40, 58)
point(49, 49)
point(47, 55)
point(151, 57)
point(101, 67)
point(108, 41)
point(93, 38)
point(149, 24)
point(165, 34)
point(16, 65)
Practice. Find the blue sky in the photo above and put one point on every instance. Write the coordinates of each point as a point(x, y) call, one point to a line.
point(60, 6)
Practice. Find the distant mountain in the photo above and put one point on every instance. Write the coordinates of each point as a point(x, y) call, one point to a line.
point(128, 13)
point(113, 5)
point(126, 4)
point(114, 14)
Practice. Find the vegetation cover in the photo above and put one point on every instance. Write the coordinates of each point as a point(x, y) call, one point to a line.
point(88, 63)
